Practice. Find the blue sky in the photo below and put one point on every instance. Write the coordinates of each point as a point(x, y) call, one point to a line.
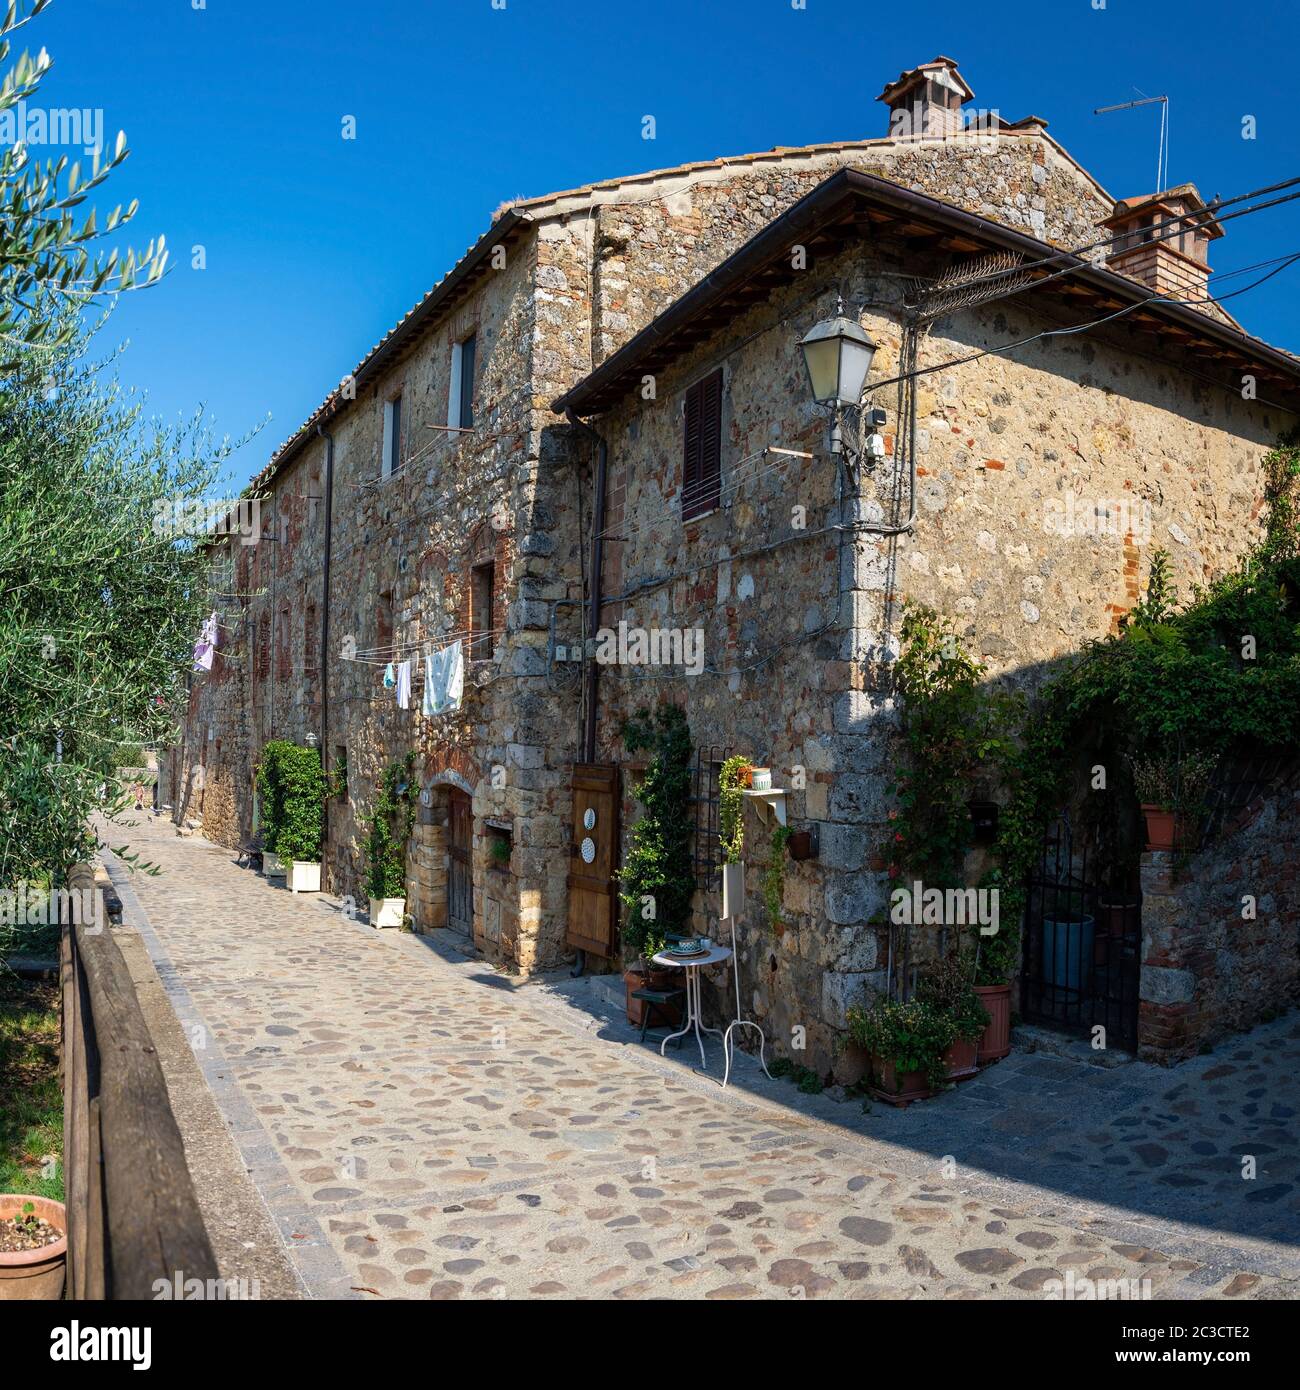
point(315, 246)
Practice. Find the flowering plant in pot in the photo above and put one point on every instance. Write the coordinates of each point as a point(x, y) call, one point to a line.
point(907, 1043)
point(1170, 791)
point(948, 984)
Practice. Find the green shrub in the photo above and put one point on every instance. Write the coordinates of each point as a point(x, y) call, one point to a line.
point(658, 876)
point(292, 786)
point(389, 828)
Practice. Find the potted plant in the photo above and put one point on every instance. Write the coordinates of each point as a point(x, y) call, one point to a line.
point(907, 1044)
point(1170, 791)
point(948, 984)
point(388, 832)
point(997, 958)
point(293, 787)
point(657, 880)
point(1068, 934)
point(33, 1248)
point(732, 781)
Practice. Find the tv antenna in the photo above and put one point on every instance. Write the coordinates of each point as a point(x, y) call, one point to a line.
point(1162, 149)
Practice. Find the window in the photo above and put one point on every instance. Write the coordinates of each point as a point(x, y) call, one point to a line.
point(460, 403)
point(702, 454)
point(384, 625)
point(392, 460)
point(482, 586)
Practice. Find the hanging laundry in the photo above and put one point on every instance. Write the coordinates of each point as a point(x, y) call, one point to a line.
point(390, 677)
point(206, 644)
point(404, 685)
point(444, 680)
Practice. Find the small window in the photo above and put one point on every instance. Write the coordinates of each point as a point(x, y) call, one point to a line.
point(384, 625)
point(702, 453)
point(482, 594)
point(460, 403)
point(392, 460)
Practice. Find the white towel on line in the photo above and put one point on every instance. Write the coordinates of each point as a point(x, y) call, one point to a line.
point(404, 685)
point(444, 680)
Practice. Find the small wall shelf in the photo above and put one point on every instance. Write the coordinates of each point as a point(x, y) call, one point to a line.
point(769, 803)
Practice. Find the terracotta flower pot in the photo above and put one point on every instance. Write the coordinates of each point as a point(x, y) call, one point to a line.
point(637, 978)
point(961, 1059)
point(996, 1042)
point(1164, 828)
point(1112, 927)
point(29, 1275)
point(898, 1089)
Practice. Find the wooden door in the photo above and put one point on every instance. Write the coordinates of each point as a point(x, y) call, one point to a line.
point(460, 869)
point(593, 889)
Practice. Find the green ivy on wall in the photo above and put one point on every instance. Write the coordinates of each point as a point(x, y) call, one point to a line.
point(388, 830)
point(1175, 690)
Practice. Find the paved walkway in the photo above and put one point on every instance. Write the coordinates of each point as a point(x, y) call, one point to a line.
point(420, 1127)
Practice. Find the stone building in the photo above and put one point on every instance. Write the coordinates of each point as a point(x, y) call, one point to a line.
point(448, 487)
point(796, 568)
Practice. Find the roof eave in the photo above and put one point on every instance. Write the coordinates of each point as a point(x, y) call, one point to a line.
point(600, 390)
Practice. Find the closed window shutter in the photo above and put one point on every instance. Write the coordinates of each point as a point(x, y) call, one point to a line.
point(702, 456)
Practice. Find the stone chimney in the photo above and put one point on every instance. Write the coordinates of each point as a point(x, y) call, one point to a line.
point(926, 102)
point(1172, 259)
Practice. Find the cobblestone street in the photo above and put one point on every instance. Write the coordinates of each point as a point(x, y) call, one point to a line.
point(419, 1126)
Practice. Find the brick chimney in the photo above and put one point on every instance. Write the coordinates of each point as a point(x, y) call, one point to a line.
point(1172, 259)
point(926, 101)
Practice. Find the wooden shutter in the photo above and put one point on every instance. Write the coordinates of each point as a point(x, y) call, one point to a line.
point(702, 454)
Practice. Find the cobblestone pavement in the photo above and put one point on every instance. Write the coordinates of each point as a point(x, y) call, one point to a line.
point(421, 1127)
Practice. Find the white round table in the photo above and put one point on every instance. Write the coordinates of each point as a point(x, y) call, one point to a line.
point(692, 966)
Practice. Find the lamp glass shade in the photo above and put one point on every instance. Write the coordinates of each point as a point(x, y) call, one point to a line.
point(837, 354)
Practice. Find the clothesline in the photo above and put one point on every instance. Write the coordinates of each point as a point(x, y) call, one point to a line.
point(383, 655)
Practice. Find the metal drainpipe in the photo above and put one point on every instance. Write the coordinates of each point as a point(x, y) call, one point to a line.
point(590, 670)
point(322, 670)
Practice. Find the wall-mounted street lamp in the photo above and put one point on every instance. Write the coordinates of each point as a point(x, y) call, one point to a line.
point(837, 354)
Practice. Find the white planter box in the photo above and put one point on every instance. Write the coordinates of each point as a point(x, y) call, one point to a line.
point(304, 877)
point(387, 912)
point(271, 866)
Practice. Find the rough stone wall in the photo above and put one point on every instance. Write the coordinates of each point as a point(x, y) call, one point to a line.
point(1220, 933)
point(601, 265)
point(652, 244)
point(797, 623)
point(403, 551)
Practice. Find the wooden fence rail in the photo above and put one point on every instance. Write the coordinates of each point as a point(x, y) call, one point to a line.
point(132, 1215)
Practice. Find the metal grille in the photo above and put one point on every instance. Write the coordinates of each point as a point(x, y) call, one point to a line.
point(1082, 947)
point(705, 800)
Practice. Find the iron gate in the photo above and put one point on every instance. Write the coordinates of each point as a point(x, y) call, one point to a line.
point(1083, 943)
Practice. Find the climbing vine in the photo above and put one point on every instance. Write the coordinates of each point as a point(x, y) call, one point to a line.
point(392, 819)
point(1169, 694)
point(731, 807)
point(658, 875)
point(774, 874)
